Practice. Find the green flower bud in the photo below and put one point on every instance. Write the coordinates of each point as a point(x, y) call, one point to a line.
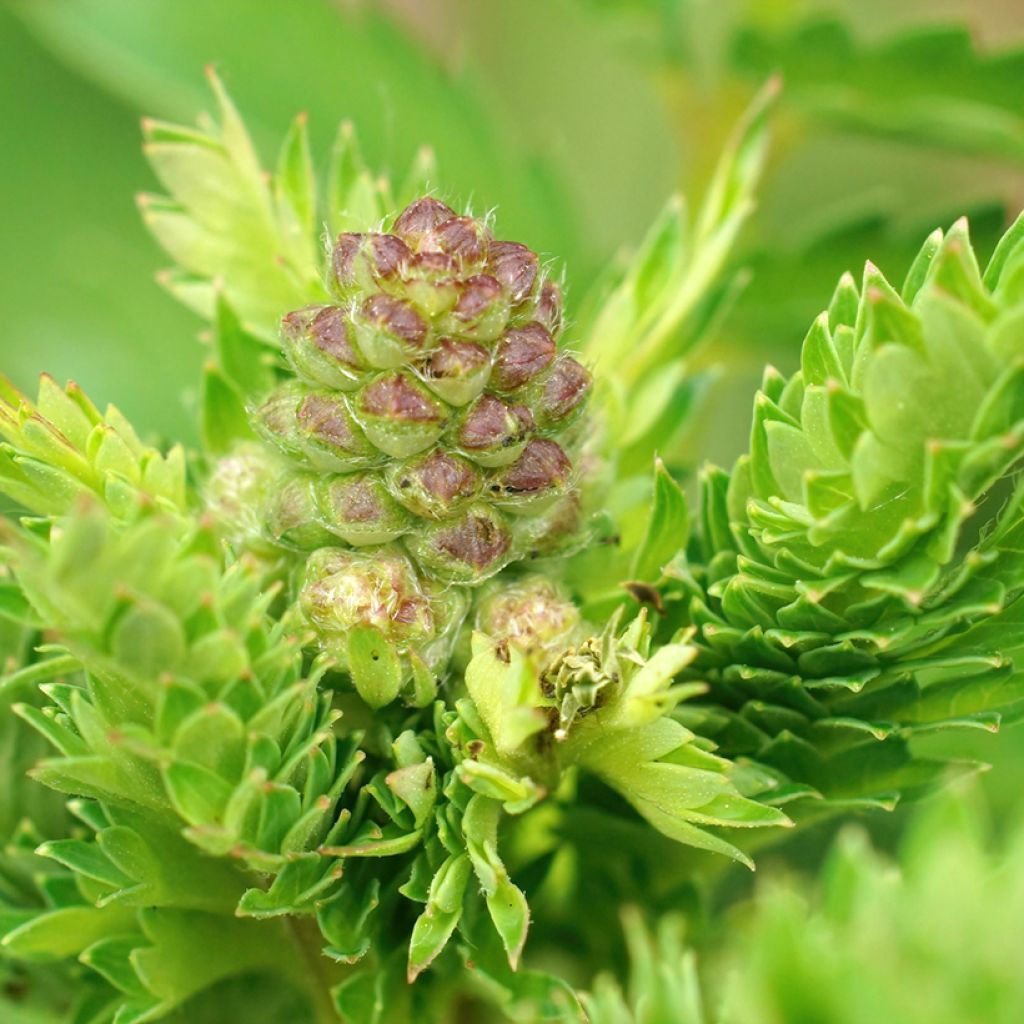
point(358, 508)
point(367, 261)
point(420, 218)
point(237, 489)
point(435, 485)
point(456, 371)
point(560, 395)
point(467, 549)
point(481, 310)
point(319, 344)
point(515, 267)
point(462, 238)
point(290, 514)
point(430, 282)
point(344, 591)
point(492, 432)
point(522, 354)
point(548, 310)
point(389, 331)
point(554, 530)
point(399, 415)
point(535, 480)
point(315, 427)
point(531, 613)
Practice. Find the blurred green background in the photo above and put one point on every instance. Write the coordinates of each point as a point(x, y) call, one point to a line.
point(574, 118)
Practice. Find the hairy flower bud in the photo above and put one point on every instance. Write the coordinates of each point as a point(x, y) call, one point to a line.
point(457, 371)
point(359, 508)
point(320, 345)
point(237, 489)
point(492, 432)
point(515, 267)
point(399, 414)
point(434, 400)
point(436, 485)
point(466, 549)
point(481, 309)
point(531, 613)
point(365, 261)
point(538, 477)
point(291, 516)
point(389, 331)
point(344, 591)
point(560, 394)
point(521, 355)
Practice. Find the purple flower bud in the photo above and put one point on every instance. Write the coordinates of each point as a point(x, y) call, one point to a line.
point(399, 414)
point(467, 549)
point(332, 438)
point(389, 331)
point(358, 508)
point(462, 238)
point(493, 433)
point(538, 476)
point(457, 371)
point(482, 308)
point(522, 354)
point(548, 310)
point(561, 392)
point(431, 283)
point(434, 485)
point(367, 260)
point(318, 343)
point(420, 218)
point(515, 266)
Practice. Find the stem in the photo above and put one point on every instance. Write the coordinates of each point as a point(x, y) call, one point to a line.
point(320, 973)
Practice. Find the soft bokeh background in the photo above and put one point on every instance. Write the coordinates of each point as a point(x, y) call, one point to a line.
point(575, 118)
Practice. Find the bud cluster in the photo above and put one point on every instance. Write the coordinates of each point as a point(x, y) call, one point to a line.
point(431, 406)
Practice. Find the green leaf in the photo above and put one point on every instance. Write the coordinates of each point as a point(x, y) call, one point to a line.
point(374, 665)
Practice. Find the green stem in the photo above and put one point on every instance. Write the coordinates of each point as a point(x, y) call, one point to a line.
point(321, 974)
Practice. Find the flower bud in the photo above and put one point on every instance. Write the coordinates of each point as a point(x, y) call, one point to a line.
point(358, 508)
point(482, 309)
point(522, 354)
point(561, 393)
point(389, 331)
point(237, 489)
point(554, 530)
point(462, 238)
point(548, 311)
point(420, 218)
point(399, 415)
point(319, 345)
point(344, 589)
point(467, 549)
point(277, 418)
point(531, 613)
point(366, 261)
point(332, 439)
point(290, 513)
point(435, 485)
point(515, 267)
point(456, 371)
point(492, 432)
point(431, 283)
point(535, 479)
